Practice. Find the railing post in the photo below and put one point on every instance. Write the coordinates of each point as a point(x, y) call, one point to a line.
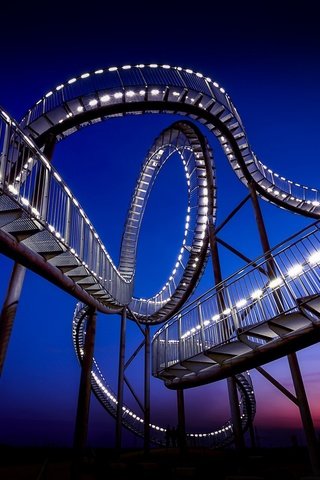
point(166, 340)
point(4, 155)
point(67, 228)
point(180, 349)
point(202, 336)
point(81, 242)
point(45, 194)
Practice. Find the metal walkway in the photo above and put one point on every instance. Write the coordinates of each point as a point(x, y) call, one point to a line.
point(43, 227)
point(262, 318)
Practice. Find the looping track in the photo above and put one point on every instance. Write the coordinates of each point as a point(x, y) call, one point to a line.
point(43, 226)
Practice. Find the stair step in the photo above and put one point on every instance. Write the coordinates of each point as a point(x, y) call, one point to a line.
point(22, 228)
point(9, 216)
point(291, 321)
point(65, 260)
point(43, 242)
point(6, 204)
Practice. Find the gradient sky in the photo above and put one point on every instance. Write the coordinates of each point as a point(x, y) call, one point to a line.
point(267, 59)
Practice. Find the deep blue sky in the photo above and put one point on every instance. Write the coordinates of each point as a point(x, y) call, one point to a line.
point(267, 58)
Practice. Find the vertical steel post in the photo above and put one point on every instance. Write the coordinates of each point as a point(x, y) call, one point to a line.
point(235, 413)
point(181, 433)
point(4, 156)
point(122, 352)
point(305, 413)
point(67, 226)
point(81, 428)
point(9, 309)
point(147, 390)
point(232, 388)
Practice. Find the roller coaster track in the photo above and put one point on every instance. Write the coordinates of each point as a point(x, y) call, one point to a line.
point(43, 226)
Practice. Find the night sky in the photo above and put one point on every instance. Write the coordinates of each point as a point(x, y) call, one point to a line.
point(267, 59)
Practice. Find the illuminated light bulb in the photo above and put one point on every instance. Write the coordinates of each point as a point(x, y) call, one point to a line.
point(97, 72)
point(256, 294)
point(130, 94)
point(316, 204)
point(315, 257)
point(153, 65)
point(112, 69)
point(193, 330)
point(174, 271)
point(80, 109)
point(85, 75)
point(12, 189)
point(126, 67)
point(295, 270)
point(206, 323)
point(177, 264)
point(227, 311)
point(208, 79)
point(276, 192)
point(215, 318)
point(176, 94)
point(189, 71)
point(59, 87)
point(283, 195)
point(105, 98)
point(166, 66)
point(118, 95)
point(275, 282)
point(194, 265)
point(155, 92)
point(61, 120)
point(48, 94)
point(222, 90)
point(35, 211)
point(241, 303)
point(93, 103)
point(184, 284)
point(199, 75)
point(198, 327)
point(72, 80)
point(25, 201)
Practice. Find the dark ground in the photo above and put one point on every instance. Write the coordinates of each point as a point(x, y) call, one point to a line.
point(165, 464)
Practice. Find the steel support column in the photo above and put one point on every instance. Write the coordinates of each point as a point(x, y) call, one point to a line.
point(232, 388)
point(181, 433)
point(305, 413)
point(81, 429)
point(122, 352)
point(9, 309)
point(235, 413)
point(147, 391)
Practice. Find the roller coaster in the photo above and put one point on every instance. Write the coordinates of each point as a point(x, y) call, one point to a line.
point(267, 310)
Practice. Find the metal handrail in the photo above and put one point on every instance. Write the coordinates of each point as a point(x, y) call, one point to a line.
point(250, 298)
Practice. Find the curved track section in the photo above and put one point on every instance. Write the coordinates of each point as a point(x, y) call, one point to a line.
point(41, 212)
point(184, 139)
point(101, 94)
point(133, 422)
point(263, 318)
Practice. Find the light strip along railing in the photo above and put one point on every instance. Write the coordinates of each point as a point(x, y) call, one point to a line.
point(250, 298)
point(28, 178)
point(131, 420)
point(129, 84)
